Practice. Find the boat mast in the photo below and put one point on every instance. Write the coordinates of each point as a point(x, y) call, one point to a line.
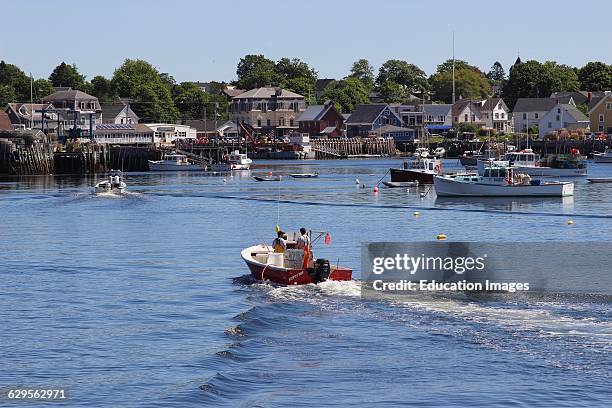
point(31, 103)
point(453, 67)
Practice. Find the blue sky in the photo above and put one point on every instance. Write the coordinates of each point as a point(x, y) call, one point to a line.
point(201, 40)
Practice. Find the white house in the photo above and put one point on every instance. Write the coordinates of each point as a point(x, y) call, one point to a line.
point(528, 111)
point(467, 111)
point(495, 114)
point(169, 132)
point(118, 114)
point(562, 116)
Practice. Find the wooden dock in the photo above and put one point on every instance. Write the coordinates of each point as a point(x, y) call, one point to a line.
point(353, 148)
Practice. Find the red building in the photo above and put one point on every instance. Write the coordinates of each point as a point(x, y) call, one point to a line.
point(321, 120)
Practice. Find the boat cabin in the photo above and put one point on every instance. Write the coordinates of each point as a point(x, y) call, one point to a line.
point(521, 158)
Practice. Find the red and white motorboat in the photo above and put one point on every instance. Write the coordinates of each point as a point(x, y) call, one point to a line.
point(289, 268)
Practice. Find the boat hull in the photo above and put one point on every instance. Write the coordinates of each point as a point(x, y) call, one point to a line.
point(602, 158)
point(155, 166)
point(229, 167)
point(408, 175)
point(446, 187)
point(400, 184)
point(600, 179)
point(550, 171)
point(287, 276)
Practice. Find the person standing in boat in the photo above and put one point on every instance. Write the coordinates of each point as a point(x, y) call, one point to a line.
point(303, 240)
point(279, 244)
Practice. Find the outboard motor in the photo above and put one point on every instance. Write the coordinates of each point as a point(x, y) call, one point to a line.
point(322, 270)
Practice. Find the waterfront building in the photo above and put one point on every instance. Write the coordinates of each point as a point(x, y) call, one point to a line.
point(321, 120)
point(579, 97)
point(601, 114)
point(366, 119)
point(268, 110)
point(76, 109)
point(123, 133)
point(528, 111)
point(495, 114)
point(118, 113)
point(168, 132)
point(467, 111)
point(29, 116)
point(562, 116)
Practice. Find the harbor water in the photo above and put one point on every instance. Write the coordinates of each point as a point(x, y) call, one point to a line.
point(142, 300)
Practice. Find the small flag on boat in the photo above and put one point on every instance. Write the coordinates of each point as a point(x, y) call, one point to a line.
point(327, 239)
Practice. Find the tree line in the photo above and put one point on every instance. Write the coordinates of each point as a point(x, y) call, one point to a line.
point(156, 96)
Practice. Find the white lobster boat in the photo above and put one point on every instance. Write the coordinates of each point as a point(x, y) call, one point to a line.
point(114, 184)
point(235, 161)
point(525, 162)
point(605, 157)
point(498, 179)
point(174, 162)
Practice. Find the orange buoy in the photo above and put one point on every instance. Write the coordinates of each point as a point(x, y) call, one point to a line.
point(440, 237)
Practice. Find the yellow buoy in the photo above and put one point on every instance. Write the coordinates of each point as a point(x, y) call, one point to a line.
point(440, 237)
point(416, 213)
point(570, 222)
point(277, 228)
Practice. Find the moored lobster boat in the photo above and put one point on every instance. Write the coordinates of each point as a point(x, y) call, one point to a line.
point(293, 267)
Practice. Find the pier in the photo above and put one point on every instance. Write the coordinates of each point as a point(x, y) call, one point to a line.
point(353, 148)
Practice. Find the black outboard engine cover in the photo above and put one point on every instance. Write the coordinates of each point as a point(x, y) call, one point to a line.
point(322, 270)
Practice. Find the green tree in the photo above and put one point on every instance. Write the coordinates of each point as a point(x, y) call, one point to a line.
point(302, 86)
point(562, 77)
point(68, 76)
point(102, 88)
point(596, 76)
point(255, 71)
point(42, 88)
point(149, 92)
point(16, 79)
point(496, 74)
point(7, 95)
point(288, 69)
point(527, 80)
point(346, 94)
point(411, 77)
point(193, 103)
point(168, 80)
point(363, 71)
point(470, 82)
point(392, 92)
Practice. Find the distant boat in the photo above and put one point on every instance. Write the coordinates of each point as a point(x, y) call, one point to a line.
point(114, 184)
point(605, 157)
point(304, 175)
point(498, 179)
point(439, 152)
point(418, 169)
point(600, 179)
point(267, 178)
point(399, 184)
point(235, 161)
point(554, 165)
point(470, 158)
point(174, 162)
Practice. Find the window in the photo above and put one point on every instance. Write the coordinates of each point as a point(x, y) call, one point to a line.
point(536, 115)
point(601, 117)
point(268, 122)
point(524, 116)
point(473, 118)
point(503, 115)
point(258, 122)
point(496, 115)
point(601, 128)
point(487, 115)
point(456, 119)
point(608, 105)
point(291, 122)
point(465, 117)
point(549, 125)
point(558, 118)
point(441, 118)
point(565, 125)
point(558, 110)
